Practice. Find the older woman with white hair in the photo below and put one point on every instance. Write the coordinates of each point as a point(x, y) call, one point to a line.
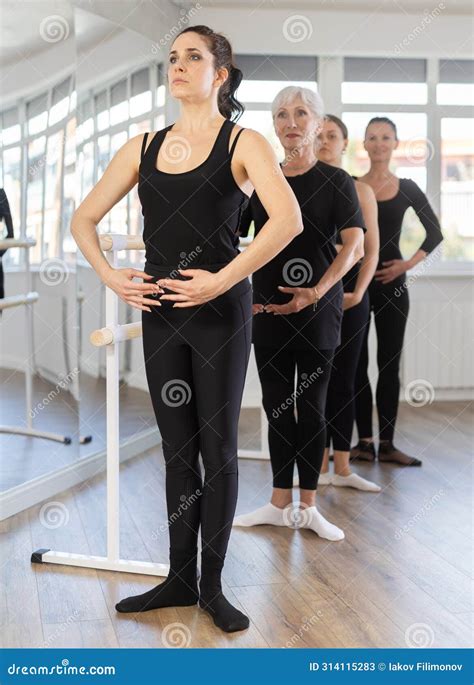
point(297, 307)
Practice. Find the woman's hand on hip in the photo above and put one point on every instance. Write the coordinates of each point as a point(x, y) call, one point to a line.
point(120, 281)
point(391, 270)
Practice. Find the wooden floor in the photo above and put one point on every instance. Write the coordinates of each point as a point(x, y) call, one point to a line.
point(399, 578)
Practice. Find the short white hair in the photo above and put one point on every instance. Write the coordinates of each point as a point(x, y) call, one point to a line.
point(312, 99)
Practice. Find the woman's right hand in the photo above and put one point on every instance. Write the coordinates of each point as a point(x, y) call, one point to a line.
point(120, 281)
point(257, 309)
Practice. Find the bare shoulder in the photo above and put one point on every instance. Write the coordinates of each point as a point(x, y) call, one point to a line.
point(364, 191)
point(134, 144)
point(251, 143)
point(250, 136)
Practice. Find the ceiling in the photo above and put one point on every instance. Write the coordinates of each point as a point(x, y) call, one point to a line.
point(21, 37)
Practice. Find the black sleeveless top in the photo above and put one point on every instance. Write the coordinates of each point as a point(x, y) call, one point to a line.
point(190, 217)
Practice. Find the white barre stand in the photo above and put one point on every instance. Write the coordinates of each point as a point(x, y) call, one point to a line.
point(110, 336)
point(26, 300)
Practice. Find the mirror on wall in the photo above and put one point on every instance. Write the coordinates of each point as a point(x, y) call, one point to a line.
point(39, 374)
point(115, 101)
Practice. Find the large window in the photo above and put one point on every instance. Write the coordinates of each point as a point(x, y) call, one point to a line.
point(48, 164)
point(409, 160)
point(457, 186)
point(264, 77)
point(430, 102)
point(33, 169)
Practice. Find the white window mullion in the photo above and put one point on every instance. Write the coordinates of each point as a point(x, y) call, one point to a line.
point(433, 134)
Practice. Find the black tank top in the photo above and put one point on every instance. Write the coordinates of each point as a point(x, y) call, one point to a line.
point(191, 218)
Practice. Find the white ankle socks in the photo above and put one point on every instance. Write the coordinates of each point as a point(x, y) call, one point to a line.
point(355, 481)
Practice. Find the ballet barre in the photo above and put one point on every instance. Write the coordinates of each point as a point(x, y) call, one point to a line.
point(26, 300)
point(109, 337)
point(16, 300)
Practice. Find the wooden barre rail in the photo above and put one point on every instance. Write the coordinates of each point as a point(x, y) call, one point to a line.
point(114, 334)
point(16, 242)
point(16, 300)
point(117, 241)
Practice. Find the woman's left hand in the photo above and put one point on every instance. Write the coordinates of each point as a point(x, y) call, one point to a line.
point(392, 269)
point(302, 297)
point(201, 287)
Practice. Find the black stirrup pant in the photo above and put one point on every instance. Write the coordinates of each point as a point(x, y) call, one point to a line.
point(196, 361)
point(294, 439)
point(340, 409)
point(390, 306)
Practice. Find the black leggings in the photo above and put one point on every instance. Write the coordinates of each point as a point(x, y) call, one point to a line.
point(340, 410)
point(390, 306)
point(196, 362)
point(293, 439)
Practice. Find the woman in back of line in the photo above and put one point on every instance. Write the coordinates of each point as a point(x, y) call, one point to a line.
point(193, 179)
point(388, 294)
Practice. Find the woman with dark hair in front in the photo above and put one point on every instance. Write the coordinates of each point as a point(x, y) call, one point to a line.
point(388, 293)
point(193, 179)
point(332, 143)
point(298, 310)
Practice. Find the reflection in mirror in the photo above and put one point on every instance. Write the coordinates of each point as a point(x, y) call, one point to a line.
point(116, 101)
point(39, 371)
